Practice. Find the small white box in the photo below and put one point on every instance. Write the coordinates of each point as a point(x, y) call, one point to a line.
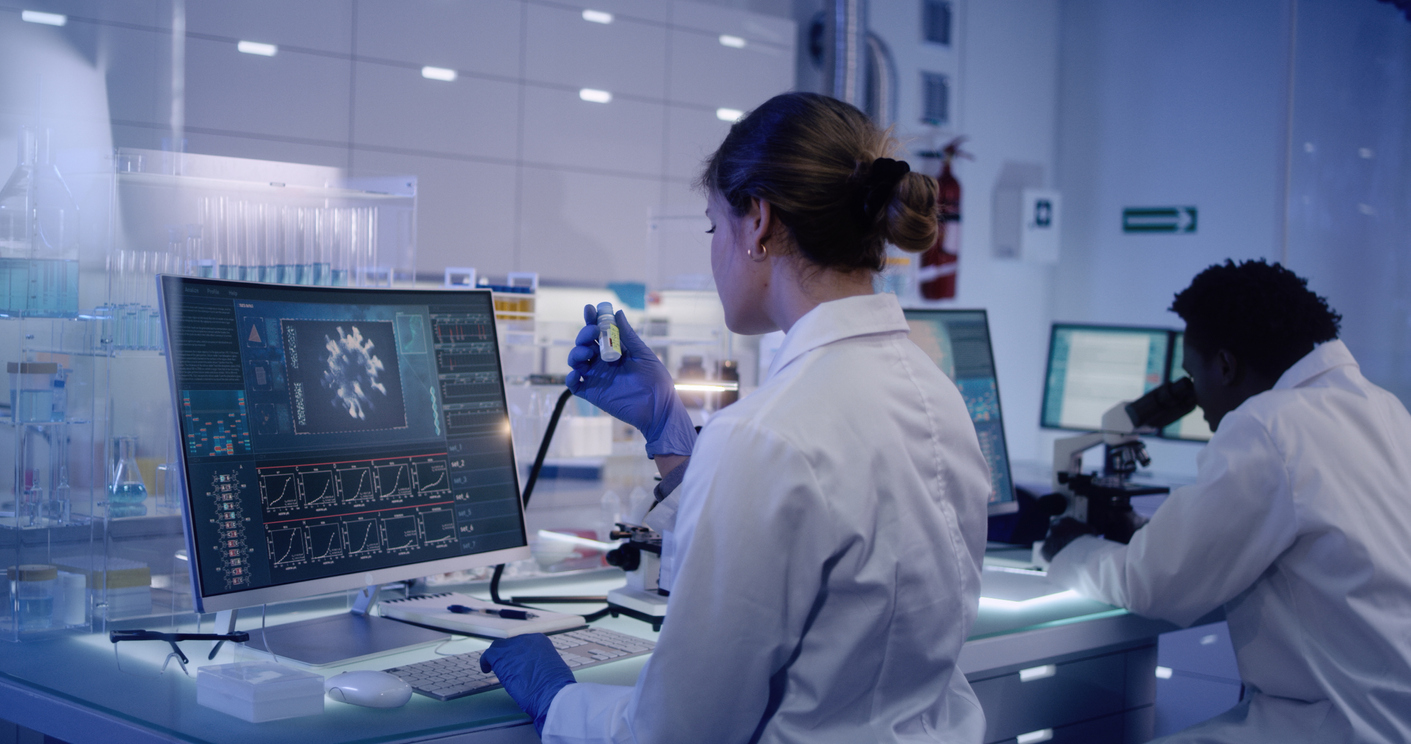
point(259, 691)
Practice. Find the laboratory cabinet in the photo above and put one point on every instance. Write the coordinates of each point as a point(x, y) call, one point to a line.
point(1100, 697)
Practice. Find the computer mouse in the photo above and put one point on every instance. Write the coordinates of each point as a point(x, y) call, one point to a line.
point(368, 688)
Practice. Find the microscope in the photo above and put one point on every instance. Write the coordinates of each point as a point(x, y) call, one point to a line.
point(641, 598)
point(1104, 502)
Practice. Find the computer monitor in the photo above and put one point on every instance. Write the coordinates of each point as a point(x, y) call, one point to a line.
point(1192, 426)
point(959, 342)
point(337, 438)
point(1092, 368)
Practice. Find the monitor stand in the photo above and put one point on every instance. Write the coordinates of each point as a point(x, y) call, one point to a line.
point(335, 639)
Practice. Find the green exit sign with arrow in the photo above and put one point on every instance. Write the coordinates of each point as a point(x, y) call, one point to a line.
point(1158, 220)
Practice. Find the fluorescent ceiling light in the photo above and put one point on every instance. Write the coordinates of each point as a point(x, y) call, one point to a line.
point(595, 96)
point(1163, 672)
point(1034, 737)
point(597, 16)
point(438, 73)
point(728, 114)
point(576, 540)
point(255, 47)
point(734, 42)
point(48, 19)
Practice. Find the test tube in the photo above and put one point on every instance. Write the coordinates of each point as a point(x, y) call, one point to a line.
point(288, 236)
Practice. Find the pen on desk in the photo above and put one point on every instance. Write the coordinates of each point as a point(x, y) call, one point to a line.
point(506, 613)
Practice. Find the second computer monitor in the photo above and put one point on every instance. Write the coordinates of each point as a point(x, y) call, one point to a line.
point(1092, 368)
point(959, 343)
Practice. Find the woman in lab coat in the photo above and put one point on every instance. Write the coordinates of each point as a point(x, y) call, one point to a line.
point(825, 541)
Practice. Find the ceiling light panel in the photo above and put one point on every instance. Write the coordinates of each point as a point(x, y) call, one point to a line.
point(597, 16)
point(255, 47)
point(594, 95)
point(48, 19)
point(438, 73)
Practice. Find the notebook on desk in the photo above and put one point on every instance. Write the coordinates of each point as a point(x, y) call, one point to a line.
point(431, 610)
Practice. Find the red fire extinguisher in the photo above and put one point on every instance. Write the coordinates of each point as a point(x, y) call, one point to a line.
point(940, 262)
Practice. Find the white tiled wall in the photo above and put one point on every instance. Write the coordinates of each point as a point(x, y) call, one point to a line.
point(516, 172)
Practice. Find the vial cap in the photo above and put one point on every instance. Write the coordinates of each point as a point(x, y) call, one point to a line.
point(33, 572)
point(604, 308)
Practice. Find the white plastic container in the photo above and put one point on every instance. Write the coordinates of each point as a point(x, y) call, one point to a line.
point(259, 691)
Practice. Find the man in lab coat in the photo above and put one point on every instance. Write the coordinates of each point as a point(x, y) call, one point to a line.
point(1299, 523)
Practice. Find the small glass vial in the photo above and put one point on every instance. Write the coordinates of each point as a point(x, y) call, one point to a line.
point(127, 494)
point(609, 338)
point(32, 588)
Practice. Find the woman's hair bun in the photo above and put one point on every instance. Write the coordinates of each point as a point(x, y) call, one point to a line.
point(826, 170)
point(909, 221)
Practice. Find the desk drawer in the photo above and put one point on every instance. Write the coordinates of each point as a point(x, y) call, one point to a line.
point(1048, 697)
point(1106, 730)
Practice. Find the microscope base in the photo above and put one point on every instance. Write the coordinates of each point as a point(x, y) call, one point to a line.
point(649, 607)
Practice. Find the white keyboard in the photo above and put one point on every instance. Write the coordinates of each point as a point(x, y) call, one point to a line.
point(449, 677)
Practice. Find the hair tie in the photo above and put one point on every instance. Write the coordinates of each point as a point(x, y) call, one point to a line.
point(878, 186)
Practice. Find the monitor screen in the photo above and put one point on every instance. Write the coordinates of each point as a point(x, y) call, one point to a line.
point(959, 342)
point(1192, 426)
point(1093, 368)
point(334, 438)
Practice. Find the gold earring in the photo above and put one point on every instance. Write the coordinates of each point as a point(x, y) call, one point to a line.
point(761, 255)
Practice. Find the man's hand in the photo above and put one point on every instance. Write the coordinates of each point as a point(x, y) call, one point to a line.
point(1061, 533)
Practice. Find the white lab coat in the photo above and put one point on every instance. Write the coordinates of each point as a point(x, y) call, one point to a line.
point(1300, 525)
point(829, 538)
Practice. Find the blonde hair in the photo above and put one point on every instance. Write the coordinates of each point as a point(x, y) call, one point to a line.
point(825, 169)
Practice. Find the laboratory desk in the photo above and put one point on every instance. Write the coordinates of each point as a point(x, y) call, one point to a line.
point(1046, 668)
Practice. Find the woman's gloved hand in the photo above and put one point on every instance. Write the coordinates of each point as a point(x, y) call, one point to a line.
point(637, 388)
point(531, 670)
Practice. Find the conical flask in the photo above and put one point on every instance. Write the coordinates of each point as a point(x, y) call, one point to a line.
point(127, 493)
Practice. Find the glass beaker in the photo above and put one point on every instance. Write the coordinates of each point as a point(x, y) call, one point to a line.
point(32, 587)
point(127, 494)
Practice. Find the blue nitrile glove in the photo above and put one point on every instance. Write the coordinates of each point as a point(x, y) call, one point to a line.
point(637, 388)
point(531, 670)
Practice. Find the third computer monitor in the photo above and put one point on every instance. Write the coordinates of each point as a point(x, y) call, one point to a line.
point(959, 342)
point(1092, 368)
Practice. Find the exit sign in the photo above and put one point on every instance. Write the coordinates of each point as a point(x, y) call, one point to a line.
point(1158, 220)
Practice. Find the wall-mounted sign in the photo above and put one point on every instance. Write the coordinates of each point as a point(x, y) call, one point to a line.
point(1158, 220)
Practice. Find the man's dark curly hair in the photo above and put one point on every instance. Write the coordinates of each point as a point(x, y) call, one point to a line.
point(1262, 313)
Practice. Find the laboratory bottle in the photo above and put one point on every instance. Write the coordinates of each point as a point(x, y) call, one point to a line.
point(609, 338)
point(127, 494)
point(692, 370)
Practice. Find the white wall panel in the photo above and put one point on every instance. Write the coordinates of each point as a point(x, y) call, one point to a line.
point(465, 210)
point(679, 240)
point(290, 95)
point(397, 107)
point(621, 136)
point(624, 57)
point(692, 136)
point(714, 19)
point(137, 12)
point(585, 228)
point(483, 36)
point(263, 148)
point(138, 70)
point(706, 73)
point(325, 25)
point(647, 10)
